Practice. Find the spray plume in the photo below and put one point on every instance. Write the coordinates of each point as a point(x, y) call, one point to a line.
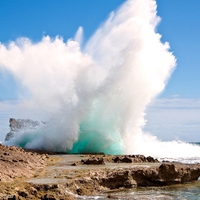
point(93, 99)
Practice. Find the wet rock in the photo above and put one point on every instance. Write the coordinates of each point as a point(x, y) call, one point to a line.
point(45, 187)
point(168, 172)
point(49, 197)
point(117, 179)
point(133, 159)
point(164, 174)
point(73, 164)
point(151, 159)
point(33, 191)
point(81, 191)
point(93, 161)
point(122, 159)
point(111, 197)
point(13, 197)
point(23, 194)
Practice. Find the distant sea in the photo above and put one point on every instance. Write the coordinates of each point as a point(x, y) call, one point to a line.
point(187, 160)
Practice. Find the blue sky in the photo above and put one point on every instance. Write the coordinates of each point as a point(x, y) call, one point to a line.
point(180, 26)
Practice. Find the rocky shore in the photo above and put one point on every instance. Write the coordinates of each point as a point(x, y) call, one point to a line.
point(32, 175)
point(17, 166)
point(16, 162)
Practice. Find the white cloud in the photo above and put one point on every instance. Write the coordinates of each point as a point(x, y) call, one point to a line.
point(174, 118)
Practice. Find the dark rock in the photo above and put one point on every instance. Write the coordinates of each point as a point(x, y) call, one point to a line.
point(168, 172)
point(23, 194)
point(49, 197)
point(45, 187)
point(164, 174)
point(151, 159)
point(93, 161)
point(118, 179)
point(73, 164)
point(133, 159)
point(33, 191)
point(122, 159)
point(79, 191)
point(111, 197)
point(13, 197)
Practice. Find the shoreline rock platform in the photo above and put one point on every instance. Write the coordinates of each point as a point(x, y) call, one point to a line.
point(27, 174)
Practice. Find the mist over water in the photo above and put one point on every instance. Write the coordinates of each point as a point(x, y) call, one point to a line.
point(93, 98)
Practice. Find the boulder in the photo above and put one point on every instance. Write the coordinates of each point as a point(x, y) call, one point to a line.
point(93, 161)
point(133, 159)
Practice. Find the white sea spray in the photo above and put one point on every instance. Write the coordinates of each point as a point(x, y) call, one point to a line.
point(93, 99)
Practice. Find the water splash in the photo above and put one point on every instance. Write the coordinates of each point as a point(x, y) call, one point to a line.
point(93, 98)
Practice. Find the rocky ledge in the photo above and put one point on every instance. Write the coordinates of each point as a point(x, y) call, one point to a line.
point(162, 175)
point(64, 178)
point(100, 160)
point(142, 171)
point(19, 163)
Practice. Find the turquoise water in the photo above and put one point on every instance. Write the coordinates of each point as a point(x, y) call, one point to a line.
point(94, 139)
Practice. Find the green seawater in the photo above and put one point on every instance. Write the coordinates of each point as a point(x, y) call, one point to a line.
point(93, 139)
